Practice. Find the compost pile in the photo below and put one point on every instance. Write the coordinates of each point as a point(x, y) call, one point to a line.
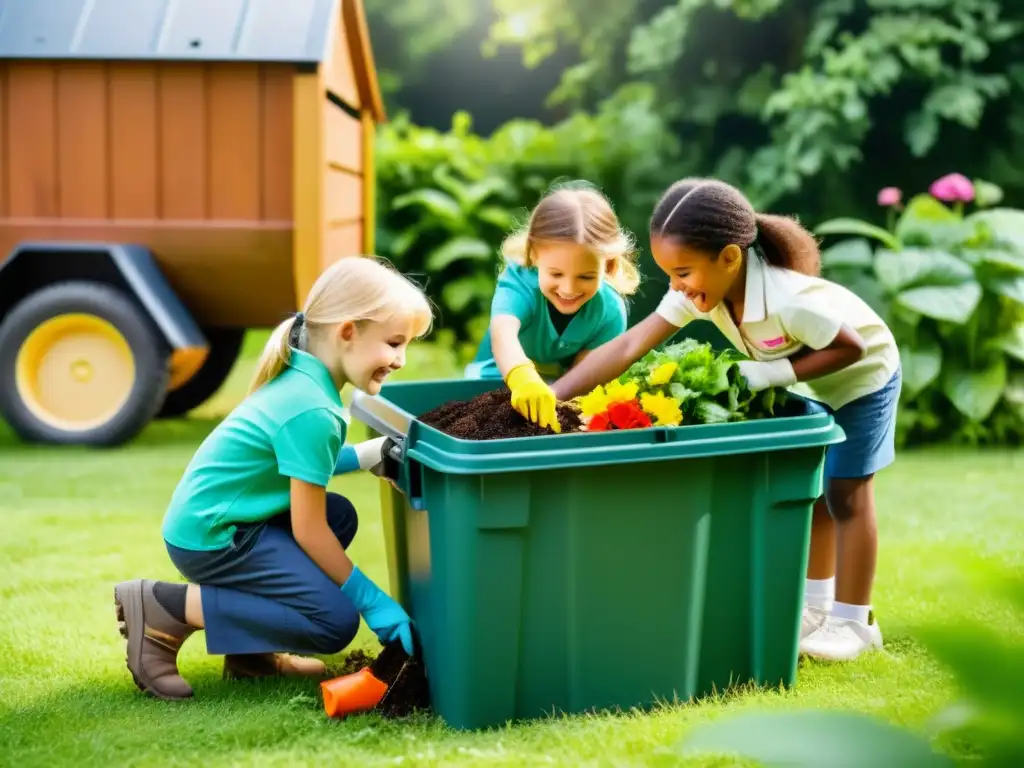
point(490, 416)
point(405, 676)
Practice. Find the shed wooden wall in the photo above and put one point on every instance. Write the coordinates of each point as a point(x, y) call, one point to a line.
point(333, 168)
point(344, 152)
point(193, 159)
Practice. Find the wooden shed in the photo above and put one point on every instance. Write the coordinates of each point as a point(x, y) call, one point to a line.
point(232, 140)
point(232, 137)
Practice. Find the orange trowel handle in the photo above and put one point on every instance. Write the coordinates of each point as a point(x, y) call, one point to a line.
point(357, 692)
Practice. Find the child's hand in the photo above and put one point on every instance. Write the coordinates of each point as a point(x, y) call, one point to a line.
point(384, 616)
point(762, 375)
point(369, 453)
point(534, 399)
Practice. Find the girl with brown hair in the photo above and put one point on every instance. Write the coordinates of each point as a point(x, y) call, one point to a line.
point(755, 276)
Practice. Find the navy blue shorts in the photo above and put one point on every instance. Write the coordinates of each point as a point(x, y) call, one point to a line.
point(263, 593)
point(870, 426)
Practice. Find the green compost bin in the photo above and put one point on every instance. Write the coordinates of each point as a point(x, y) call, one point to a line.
point(581, 572)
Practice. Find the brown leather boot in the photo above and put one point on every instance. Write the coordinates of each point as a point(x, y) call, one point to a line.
point(254, 665)
point(154, 638)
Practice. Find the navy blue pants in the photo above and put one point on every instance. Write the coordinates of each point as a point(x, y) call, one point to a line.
point(263, 594)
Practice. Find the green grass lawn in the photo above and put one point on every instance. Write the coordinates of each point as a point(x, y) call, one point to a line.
point(74, 522)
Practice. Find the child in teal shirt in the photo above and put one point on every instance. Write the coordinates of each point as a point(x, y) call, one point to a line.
point(558, 297)
point(251, 524)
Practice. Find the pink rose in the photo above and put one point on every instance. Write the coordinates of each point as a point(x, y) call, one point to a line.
point(889, 196)
point(953, 187)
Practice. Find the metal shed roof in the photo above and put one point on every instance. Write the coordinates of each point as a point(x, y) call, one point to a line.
point(297, 31)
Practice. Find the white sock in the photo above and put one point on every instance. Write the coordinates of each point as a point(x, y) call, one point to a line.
point(819, 593)
point(851, 612)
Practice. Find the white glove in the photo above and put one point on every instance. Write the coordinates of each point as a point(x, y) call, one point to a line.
point(762, 375)
point(369, 452)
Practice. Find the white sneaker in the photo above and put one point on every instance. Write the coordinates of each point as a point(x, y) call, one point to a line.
point(813, 618)
point(842, 639)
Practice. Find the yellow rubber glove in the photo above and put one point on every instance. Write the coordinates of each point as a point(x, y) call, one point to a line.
point(534, 399)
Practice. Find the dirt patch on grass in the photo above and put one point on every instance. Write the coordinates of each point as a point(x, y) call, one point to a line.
point(406, 678)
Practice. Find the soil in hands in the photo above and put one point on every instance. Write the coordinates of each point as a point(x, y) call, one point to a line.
point(490, 416)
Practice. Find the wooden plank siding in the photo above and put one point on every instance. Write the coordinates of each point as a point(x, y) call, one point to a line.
point(343, 139)
point(124, 140)
point(343, 185)
point(134, 110)
point(244, 179)
point(329, 180)
point(339, 74)
point(30, 155)
point(192, 159)
point(307, 181)
point(343, 240)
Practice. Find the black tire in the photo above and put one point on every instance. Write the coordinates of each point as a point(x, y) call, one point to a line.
point(225, 347)
point(149, 350)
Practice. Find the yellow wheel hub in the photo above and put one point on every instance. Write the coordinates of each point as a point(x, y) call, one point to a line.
point(75, 372)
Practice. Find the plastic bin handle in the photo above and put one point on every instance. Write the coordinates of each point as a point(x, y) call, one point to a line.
point(393, 454)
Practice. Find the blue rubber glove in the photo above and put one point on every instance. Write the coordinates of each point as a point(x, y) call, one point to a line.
point(348, 460)
point(360, 456)
point(383, 615)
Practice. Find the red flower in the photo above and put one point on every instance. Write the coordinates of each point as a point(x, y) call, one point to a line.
point(628, 415)
point(622, 415)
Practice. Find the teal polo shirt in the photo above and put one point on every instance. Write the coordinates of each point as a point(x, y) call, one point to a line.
point(518, 293)
point(292, 426)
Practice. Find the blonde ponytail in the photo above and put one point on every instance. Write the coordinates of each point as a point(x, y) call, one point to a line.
point(354, 289)
point(277, 352)
point(515, 248)
point(624, 276)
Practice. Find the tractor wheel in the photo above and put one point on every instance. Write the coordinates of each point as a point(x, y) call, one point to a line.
point(225, 346)
point(80, 364)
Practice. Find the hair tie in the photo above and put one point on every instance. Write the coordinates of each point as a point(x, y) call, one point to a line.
point(295, 336)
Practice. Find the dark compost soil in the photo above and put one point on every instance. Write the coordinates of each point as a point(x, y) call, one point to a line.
point(407, 680)
point(405, 676)
point(490, 416)
point(355, 661)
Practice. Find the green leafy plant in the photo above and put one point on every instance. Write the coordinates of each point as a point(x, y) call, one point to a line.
point(950, 285)
point(684, 383)
point(708, 385)
point(810, 739)
point(799, 120)
point(443, 214)
point(987, 666)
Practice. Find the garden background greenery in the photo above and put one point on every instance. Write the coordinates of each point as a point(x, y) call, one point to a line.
point(810, 106)
point(893, 128)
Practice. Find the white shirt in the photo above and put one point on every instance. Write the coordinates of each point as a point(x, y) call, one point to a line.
point(784, 312)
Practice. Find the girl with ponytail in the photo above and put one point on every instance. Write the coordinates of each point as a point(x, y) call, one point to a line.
point(755, 276)
point(251, 525)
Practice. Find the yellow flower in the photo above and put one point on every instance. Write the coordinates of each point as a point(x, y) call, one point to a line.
point(622, 393)
point(664, 409)
point(662, 374)
point(595, 402)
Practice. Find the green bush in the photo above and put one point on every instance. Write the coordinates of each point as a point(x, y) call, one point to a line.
point(987, 667)
point(950, 284)
point(447, 200)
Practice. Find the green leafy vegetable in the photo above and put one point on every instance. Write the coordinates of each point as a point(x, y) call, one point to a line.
point(708, 386)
